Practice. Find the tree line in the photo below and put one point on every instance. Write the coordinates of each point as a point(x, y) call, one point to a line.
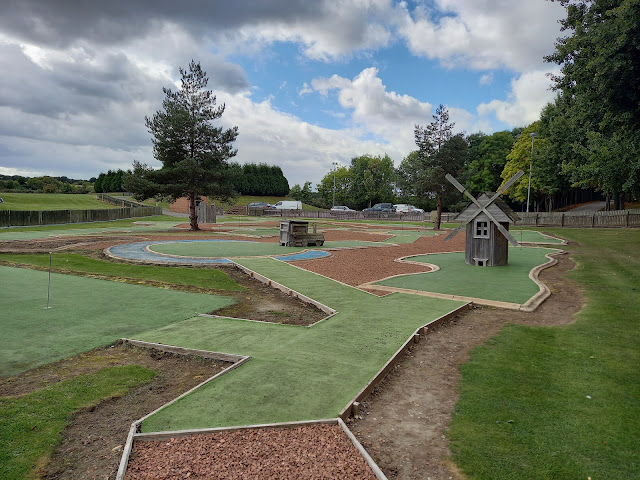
point(44, 184)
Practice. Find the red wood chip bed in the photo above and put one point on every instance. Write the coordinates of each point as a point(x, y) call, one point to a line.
point(320, 451)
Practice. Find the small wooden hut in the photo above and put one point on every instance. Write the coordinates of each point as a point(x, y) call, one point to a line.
point(485, 245)
point(295, 233)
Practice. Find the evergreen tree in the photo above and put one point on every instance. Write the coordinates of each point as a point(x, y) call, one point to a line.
point(192, 151)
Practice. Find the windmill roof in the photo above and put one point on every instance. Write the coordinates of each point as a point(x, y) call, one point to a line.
point(499, 209)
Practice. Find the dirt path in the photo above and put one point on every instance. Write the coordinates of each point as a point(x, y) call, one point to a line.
point(403, 422)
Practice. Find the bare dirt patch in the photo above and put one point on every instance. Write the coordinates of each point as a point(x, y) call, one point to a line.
point(402, 423)
point(306, 452)
point(267, 304)
point(91, 447)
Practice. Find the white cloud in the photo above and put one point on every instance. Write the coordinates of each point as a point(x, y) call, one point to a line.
point(529, 93)
point(486, 79)
point(515, 34)
point(305, 90)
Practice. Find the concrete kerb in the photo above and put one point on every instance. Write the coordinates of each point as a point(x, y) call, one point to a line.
point(237, 360)
point(544, 292)
point(414, 338)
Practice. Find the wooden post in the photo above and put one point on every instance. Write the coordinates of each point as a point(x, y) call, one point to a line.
point(593, 220)
point(562, 219)
point(627, 219)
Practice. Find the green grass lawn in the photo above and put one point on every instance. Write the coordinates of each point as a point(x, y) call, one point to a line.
point(85, 313)
point(30, 425)
point(561, 403)
point(51, 201)
point(509, 283)
point(295, 373)
point(73, 262)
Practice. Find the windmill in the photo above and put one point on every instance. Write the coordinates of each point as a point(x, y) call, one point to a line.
point(487, 222)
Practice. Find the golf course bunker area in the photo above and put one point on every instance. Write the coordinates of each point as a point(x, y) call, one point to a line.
point(310, 451)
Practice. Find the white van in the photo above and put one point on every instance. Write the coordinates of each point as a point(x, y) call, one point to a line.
point(289, 205)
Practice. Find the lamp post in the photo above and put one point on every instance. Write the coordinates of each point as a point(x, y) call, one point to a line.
point(335, 167)
point(533, 136)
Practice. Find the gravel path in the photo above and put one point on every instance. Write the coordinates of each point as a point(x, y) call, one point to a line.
point(357, 266)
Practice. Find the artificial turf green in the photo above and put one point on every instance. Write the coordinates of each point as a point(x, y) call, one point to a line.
point(551, 403)
point(509, 283)
point(523, 235)
point(85, 313)
point(232, 249)
point(295, 373)
point(158, 223)
point(30, 425)
point(73, 262)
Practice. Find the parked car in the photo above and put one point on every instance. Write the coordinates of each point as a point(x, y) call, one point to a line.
point(341, 209)
point(262, 205)
point(406, 208)
point(381, 207)
point(288, 205)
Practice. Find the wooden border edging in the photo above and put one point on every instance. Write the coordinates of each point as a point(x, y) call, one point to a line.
point(236, 359)
point(287, 290)
point(377, 378)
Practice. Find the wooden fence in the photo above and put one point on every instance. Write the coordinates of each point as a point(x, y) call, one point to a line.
point(405, 217)
point(24, 218)
point(616, 218)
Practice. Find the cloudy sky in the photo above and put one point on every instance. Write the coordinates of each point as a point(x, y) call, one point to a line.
point(307, 82)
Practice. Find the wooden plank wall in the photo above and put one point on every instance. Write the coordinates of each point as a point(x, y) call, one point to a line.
point(616, 218)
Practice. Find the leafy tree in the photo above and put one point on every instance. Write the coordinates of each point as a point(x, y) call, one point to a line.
point(192, 151)
point(486, 158)
point(342, 187)
point(599, 94)
point(439, 153)
point(372, 180)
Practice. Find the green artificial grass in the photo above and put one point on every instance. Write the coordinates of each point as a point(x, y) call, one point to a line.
point(522, 235)
point(556, 403)
point(158, 223)
point(295, 373)
point(52, 201)
point(85, 313)
point(508, 283)
point(31, 425)
point(232, 249)
point(73, 262)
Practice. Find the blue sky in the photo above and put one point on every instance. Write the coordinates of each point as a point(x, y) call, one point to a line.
point(307, 83)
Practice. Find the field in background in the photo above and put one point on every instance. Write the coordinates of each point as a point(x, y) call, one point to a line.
point(51, 201)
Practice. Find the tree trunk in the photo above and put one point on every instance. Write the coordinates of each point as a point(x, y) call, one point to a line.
point(616, 201)
point(193, 216)
point(622, 195)
point(436, 226)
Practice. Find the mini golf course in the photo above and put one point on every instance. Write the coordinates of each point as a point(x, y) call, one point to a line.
point(294, 373)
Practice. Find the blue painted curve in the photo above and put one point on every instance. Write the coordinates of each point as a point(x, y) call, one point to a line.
point(137, 251)
point(309, 255)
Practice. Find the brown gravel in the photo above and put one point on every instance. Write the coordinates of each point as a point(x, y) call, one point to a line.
point(362, 265)
point(309, 452)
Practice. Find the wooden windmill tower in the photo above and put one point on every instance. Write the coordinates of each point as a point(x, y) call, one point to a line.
point(487, 222)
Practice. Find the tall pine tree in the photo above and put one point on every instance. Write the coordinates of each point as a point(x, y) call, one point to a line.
point(193, 152)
